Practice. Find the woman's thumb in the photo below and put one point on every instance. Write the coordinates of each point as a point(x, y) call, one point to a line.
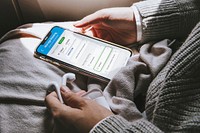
point(71, 99)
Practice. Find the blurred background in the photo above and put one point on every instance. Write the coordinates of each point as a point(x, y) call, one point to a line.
point(17, 12)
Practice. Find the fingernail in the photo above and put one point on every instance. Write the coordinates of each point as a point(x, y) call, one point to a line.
point(64, 89)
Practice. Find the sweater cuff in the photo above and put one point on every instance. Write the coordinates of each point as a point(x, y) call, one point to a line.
point(111, 124)
point(159, 19)
point(138, 20)
point(117, 124)
point(167, 18)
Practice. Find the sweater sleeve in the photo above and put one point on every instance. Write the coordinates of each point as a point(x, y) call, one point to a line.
point(177, 109)
point(168, 18)
point(117, 124)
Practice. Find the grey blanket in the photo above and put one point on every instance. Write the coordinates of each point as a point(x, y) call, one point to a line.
point(24, 80)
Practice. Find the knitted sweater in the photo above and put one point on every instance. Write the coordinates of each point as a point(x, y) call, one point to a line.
point(173, 97)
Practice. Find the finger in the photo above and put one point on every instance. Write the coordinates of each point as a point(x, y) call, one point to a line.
point(103, 32)
point(60, 111)
point(80, 93)
point(86, 29)
point(64, 88)
point(52, 101)
point(72, 99)
point(94, 32)
point(92, 19)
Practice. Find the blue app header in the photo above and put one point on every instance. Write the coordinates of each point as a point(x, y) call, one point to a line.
point(56, 32)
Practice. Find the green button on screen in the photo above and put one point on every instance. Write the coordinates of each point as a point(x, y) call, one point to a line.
point(61, 40)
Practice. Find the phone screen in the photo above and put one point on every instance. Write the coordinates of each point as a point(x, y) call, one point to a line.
point(88, 54)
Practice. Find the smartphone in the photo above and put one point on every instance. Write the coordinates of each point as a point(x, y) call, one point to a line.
point(83, 54)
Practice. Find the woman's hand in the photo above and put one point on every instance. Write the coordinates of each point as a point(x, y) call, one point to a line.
point(82, 113)
point(112, 24)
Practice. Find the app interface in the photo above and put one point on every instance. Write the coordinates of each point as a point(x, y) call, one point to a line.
point(83, 52)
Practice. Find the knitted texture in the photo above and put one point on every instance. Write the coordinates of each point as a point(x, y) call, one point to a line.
point(168, 18)
point(174, 96)
point(116, 124)
point(172, 101)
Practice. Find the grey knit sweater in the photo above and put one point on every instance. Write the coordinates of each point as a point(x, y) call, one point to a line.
point(173, 98)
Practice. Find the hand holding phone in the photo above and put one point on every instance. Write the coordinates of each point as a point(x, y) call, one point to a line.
point(83, 54)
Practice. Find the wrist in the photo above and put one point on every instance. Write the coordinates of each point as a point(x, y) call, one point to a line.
point(138, 22)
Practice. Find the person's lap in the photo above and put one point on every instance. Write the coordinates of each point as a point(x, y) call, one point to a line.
point(24, 79)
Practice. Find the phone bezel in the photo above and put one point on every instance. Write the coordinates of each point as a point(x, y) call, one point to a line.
point(72, 67)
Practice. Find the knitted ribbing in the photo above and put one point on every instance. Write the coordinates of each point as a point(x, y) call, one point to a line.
point(168, 18)
point(173, 97)
point(117, 124)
